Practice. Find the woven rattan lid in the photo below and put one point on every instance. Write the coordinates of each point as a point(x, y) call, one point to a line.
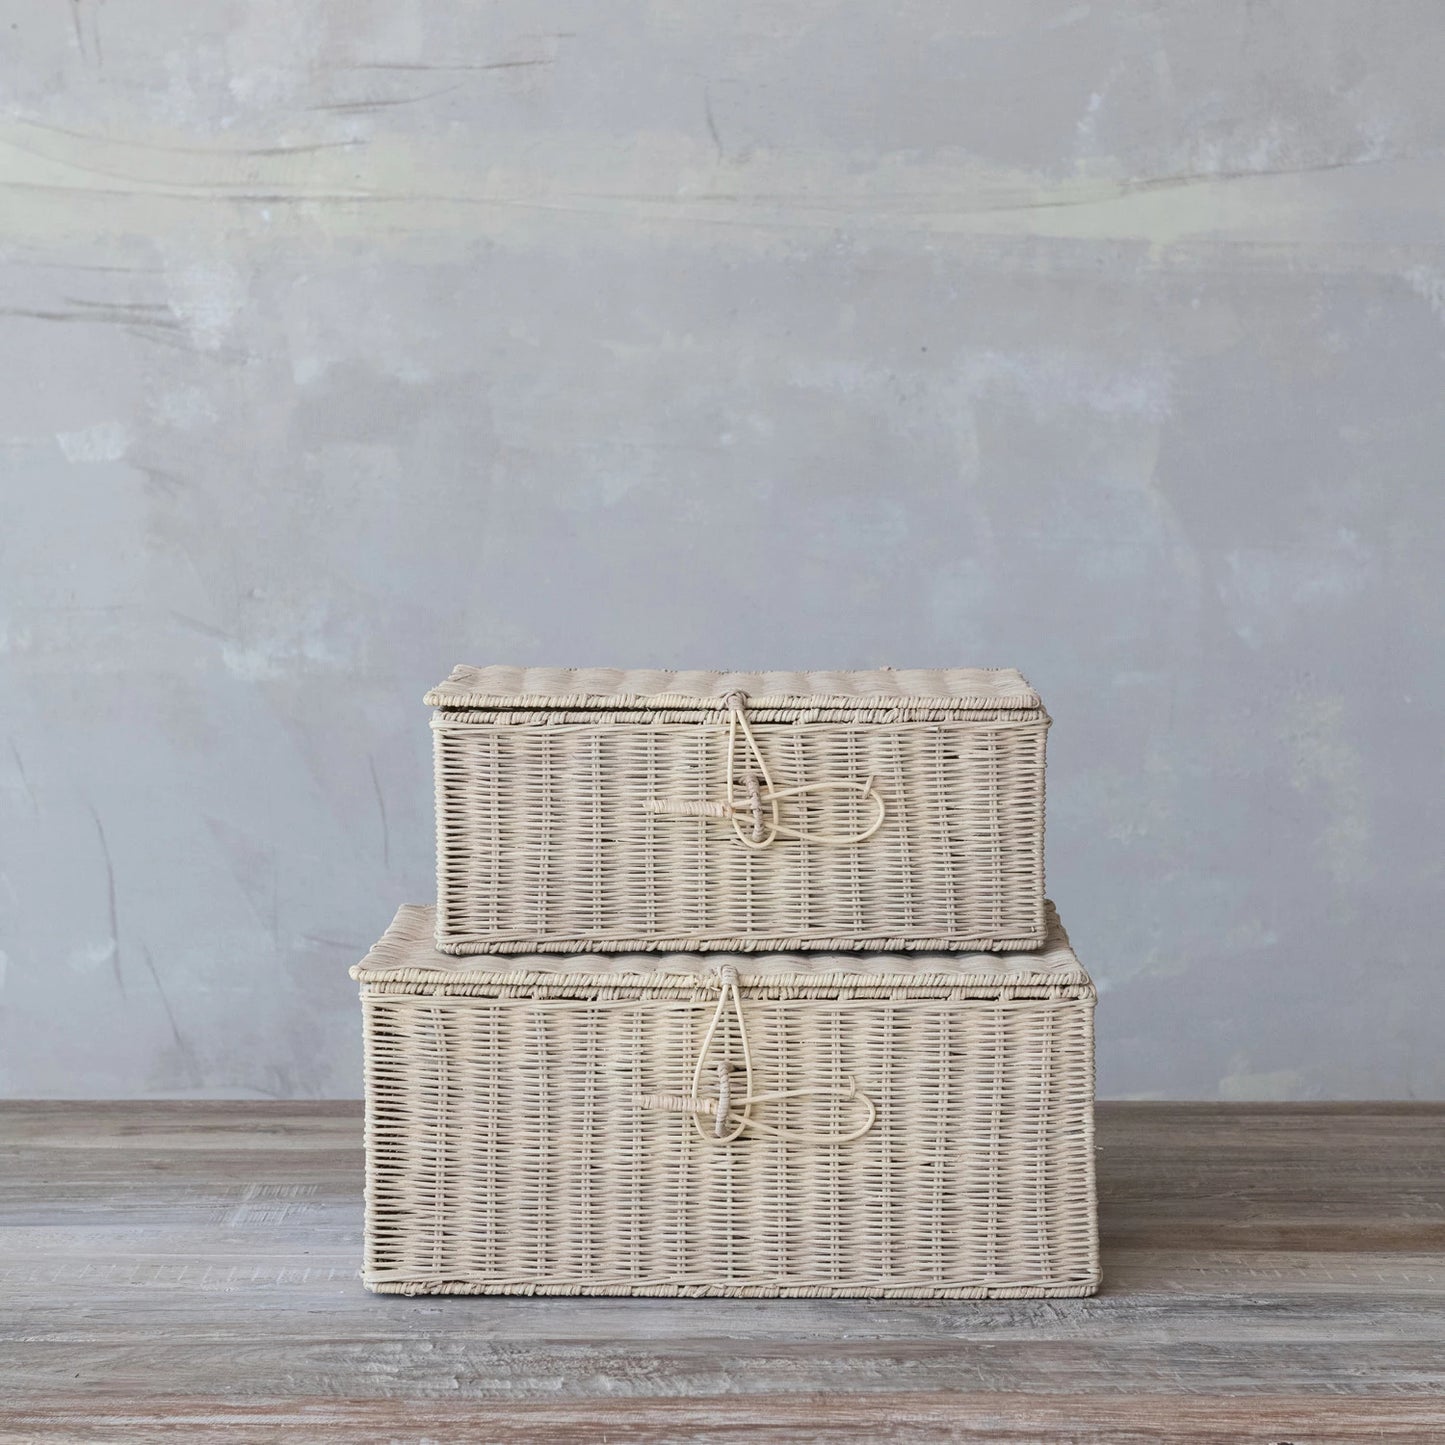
point(960, 689)
point(407, 953)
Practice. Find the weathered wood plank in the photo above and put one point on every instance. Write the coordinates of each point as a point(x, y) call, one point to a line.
point(527, 1369)
point(958, 1418)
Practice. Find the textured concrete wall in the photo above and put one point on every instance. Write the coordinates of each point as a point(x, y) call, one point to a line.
point(345, 341)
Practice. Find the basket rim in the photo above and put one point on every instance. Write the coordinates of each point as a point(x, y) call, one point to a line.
point(407, 953)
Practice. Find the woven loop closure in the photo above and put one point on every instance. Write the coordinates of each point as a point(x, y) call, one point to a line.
point(731, 1115)
point(757, 803)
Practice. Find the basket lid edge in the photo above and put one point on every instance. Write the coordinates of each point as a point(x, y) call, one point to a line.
point(407, 952)
point(624, 689)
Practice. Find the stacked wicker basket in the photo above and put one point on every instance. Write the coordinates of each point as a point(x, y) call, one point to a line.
point(737, 984)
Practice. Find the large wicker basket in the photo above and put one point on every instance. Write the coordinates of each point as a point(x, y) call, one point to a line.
point(672, 1124)
point(598, 810)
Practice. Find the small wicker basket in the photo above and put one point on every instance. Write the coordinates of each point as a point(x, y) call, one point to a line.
point(667, 1124)
point(607, 811)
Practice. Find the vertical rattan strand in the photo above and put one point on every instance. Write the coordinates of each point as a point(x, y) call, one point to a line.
point(991, 801)
point(902, 822)
point(439, 1139)
point(999, 1057)
point(943, 1156)
point(942, 812)
point(854, 857)
point(1042, 1120)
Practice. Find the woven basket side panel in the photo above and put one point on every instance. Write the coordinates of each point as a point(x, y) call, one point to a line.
point(508, 1150)
point(545, 837)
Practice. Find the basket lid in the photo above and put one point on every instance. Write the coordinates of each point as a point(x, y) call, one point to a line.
point(961, 689)
point(407, 953)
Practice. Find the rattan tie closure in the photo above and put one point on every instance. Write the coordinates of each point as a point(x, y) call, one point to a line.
point(759, 805)
point(731, 1116)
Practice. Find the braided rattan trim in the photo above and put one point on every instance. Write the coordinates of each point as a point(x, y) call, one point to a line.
point(552, 717)
point(593, 687)
point(406, 954)
point(626, 990)
point(1078, 1290)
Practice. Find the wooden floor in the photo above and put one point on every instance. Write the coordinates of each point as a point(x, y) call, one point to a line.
point(189, 1271)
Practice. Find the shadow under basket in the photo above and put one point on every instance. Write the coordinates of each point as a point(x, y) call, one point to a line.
point(863, 1124)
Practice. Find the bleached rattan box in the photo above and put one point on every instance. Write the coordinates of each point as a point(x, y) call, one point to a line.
point(680, 1124)
point(599, 810)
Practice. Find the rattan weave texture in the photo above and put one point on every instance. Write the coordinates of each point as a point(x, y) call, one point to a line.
point(563, 802)
point(528, 1128)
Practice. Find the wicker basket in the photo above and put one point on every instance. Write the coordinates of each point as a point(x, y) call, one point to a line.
point(669, 1124)
point(582, 811)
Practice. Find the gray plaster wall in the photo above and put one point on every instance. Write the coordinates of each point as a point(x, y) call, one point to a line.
point(346, 341)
